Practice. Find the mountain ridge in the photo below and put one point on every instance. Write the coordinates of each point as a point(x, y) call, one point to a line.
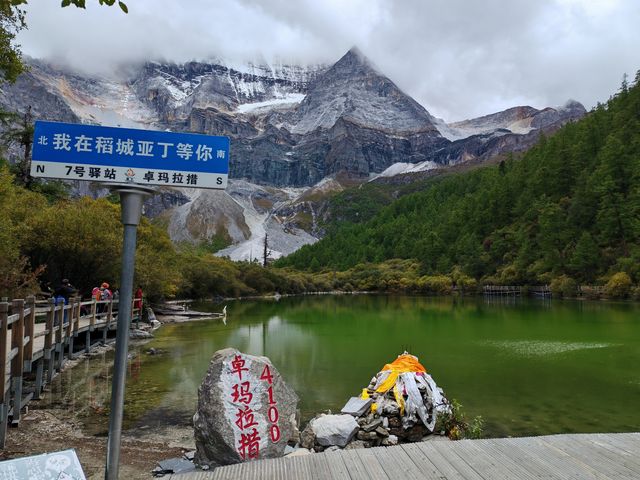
point(290, 127)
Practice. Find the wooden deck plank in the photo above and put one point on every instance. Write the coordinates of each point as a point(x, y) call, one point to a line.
point(374, 469)
point(337, 466)
point(558, 457)
point(499, 464)
point(281, 467)
point(616, 455)
point(448, 463)
point(531, 462)
point(226, 473)
point(357, 470)
point(572, 467)
point(301, 468)
point(479, 461)
point(420, 459)
point(397, 464)
point(318, 466)
point(553, 460)
point(589, 454)
point(624, 443)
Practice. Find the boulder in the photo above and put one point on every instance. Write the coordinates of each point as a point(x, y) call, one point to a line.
point(307, 437)
point(334, 429)
point(369, 427)
point(299, 452)
point(245, 411)
point(366, 436)
point(355, 444)
point(390, 440)
point(136, 334)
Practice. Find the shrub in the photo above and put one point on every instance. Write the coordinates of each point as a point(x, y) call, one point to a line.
point(435, 284)
point(454, 423)
point(563, 286)
point(618, 286)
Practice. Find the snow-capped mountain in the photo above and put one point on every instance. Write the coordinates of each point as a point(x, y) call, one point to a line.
point(294, 130)
point(518, 120)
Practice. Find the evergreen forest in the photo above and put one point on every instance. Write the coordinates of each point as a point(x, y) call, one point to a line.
point(568, 211)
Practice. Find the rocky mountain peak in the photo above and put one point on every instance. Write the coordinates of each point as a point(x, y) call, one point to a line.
point(352, 62)
point(354, 91)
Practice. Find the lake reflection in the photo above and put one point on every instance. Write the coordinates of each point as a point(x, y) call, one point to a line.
point(527, 367)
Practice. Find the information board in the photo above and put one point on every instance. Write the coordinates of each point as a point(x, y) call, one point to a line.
point(57, 465)
point(125, 155)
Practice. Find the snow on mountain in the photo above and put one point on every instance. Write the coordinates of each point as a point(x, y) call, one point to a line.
point(175, 90)
point(97, 100)
point(519, 120)
point(402, 168)
point(244, 213)
point(286, 101)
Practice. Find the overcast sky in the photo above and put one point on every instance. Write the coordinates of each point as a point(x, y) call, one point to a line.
point(458, 58)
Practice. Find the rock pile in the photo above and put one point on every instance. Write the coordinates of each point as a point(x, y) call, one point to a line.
point(400, 404)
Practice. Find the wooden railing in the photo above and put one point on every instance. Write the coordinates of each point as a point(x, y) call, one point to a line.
point(37, 338)
point(502, 290)
point(539, 290)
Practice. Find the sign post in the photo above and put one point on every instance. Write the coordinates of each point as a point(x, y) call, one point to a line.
point(131, 200)
point(132, 161)
point(126, 155)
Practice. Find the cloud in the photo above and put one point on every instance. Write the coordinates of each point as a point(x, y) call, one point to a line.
point(458, 58)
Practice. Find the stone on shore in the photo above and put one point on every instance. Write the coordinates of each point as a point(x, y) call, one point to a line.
point(245, 411)
point(334, 429)
point(139, 334)
point(357, 406)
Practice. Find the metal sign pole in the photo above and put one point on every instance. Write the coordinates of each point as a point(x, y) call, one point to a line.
point(131, 199)
point(132, 160)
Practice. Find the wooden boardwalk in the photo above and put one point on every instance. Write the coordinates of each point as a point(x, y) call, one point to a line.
point(35, 341)
point(570, 457)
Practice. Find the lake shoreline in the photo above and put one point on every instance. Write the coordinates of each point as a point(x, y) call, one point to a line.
point(276, 296)
point(288, 323)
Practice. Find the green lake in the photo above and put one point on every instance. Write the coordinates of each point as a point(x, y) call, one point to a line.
point(527, 367)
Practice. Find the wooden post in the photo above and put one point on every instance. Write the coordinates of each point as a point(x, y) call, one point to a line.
point(4, 401)
point(94, 308)
point(76, 325)
point(108, 324)
point(48, 340)
point(59, 353)
point(71, 325)
point(17, 364)
point(29, 331)
point(92, 326)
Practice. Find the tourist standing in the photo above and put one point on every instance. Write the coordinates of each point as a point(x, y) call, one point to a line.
point(63, 292)
point(137, 303)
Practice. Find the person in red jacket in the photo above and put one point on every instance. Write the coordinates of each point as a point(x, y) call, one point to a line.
point(137, 303)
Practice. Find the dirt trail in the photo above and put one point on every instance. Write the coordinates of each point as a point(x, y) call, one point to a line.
point(50, 430)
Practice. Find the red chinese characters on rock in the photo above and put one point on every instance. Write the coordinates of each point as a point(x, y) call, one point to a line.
point(249, 442)
point(272, 414)
point(249, 445)
point(237, 366)
point(241, 393)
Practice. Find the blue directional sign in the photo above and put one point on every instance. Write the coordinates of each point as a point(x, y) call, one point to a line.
point(126, 155)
